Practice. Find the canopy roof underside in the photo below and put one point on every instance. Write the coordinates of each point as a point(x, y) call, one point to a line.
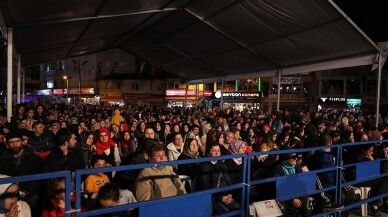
point(193, 39)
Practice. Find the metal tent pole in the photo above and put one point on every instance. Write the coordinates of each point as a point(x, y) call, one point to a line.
point(18, 79)
point(222, 93)
point(378, 91)
point(9, 73)
point(278, 101)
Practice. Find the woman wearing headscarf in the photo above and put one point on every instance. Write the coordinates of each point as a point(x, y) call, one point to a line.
point(235, 165)
point(86, 144)
point(10, 205)
point(190, 151)
point(126, 145)
point(105, 146)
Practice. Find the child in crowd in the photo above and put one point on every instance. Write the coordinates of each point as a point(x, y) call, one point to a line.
point(56, 195)
point(109, 195)
point(94, 182)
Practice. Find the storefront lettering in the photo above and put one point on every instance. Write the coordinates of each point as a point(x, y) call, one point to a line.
point(231, 94)
point(333, 99)
point(238, 95)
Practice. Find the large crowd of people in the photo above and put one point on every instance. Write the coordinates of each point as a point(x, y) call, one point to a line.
point(53, 137)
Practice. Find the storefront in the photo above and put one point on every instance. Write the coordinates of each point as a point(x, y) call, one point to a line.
point(62, 96)
point(238, 100)
point(177, 97)
point(339, 104)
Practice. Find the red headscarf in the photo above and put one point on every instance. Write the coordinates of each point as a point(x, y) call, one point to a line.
point(102, 146)
point(125, 126)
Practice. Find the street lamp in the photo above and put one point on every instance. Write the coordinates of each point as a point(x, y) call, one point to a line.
point(67, 88)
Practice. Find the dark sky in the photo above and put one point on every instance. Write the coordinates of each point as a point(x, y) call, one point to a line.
point(370, 15)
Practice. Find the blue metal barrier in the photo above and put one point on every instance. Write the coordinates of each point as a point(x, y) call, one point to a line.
point(365, 171)
point(298, 185)
point(44, 176)
point(304, 184)
point(154, 207)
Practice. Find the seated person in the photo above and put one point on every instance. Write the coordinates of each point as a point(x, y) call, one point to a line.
point(285, 167)
point(158, 182)
point(109, 195)
point(95, 181)
point(55, 207)
point(323, 159)
point(10, 205)
point(379, 186)
point(214, 174)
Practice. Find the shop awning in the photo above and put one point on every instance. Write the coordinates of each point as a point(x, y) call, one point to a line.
point(180, 98)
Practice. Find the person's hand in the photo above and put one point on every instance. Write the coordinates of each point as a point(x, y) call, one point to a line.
point(227, 199)
point(297, 203)
point(13, 211)
point(347, 188)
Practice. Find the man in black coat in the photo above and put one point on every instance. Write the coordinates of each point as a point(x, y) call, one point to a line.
point(19, 160)
point(66, 156)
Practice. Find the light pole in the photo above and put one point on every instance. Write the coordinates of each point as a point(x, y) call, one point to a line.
point(67, 88)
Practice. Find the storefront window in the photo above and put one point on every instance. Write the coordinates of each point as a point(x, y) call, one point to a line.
point(247, 84)
point(353, 87)
point(332, 87)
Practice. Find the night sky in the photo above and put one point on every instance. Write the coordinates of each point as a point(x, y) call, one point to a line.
point(370, 15)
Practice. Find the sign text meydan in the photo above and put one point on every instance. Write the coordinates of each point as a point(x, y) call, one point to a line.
point(238, 95)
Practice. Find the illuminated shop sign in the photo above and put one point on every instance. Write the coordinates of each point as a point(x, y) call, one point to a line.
point(182, 92)
point(353, 101)
point(237, 95)
point(332, 99)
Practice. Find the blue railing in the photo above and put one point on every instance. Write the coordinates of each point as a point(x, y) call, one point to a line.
point(365, 171)
point(307, 185)
point(201, 195)
point(299, 185)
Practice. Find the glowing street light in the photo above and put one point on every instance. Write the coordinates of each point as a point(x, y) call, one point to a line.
point(67, 88)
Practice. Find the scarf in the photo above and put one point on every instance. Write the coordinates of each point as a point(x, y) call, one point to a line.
point(126, 144)
point(186, 149)
point(234, 148)
point(288, 169)
point(102, 146)
point(125, 126)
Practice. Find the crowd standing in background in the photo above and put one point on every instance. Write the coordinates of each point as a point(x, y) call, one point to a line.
point(54, 137)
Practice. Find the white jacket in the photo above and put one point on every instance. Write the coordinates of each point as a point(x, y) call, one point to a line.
point(24, 209)
point(173, 153)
